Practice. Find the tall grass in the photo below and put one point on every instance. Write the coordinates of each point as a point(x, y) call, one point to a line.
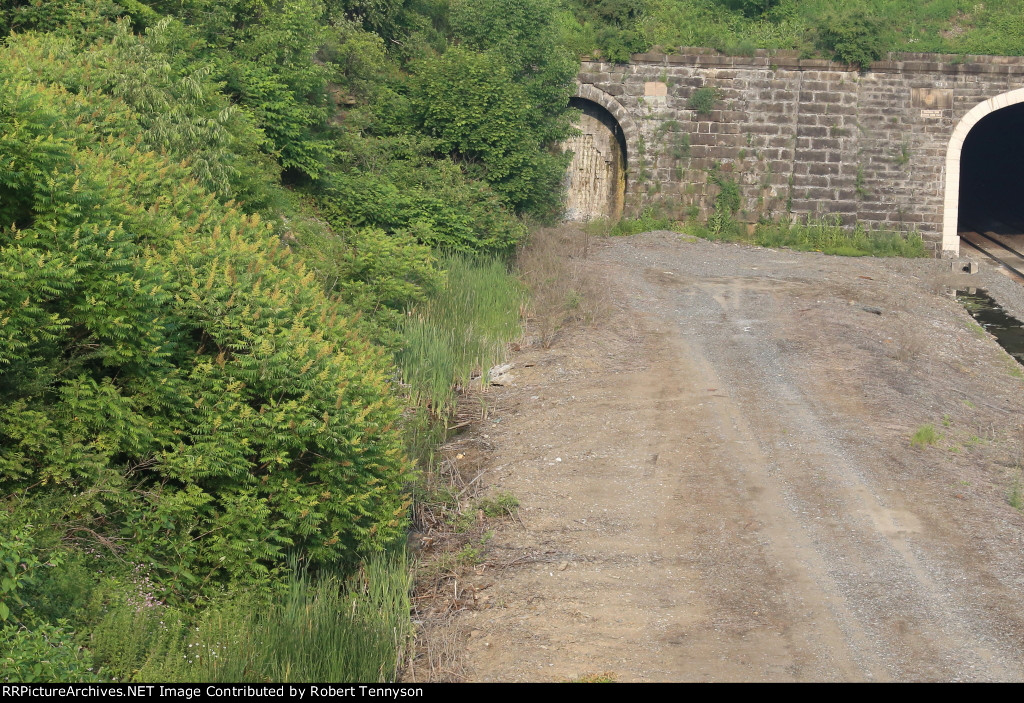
point(826, 235)
point(461, 331)
point(648, 221)
point(830, 237)
point(318, 629)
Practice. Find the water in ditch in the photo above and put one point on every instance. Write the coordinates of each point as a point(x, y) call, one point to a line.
point(1008, 330)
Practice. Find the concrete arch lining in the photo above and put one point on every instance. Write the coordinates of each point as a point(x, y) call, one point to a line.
point(951, 205)
point(621, 115)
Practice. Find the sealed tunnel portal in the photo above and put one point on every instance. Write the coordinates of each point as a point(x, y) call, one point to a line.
point(596, 179)
point(992, 173)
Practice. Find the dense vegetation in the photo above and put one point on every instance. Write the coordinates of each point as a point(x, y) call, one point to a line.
point(215, 215)
point(246, 249)
point(855, 31)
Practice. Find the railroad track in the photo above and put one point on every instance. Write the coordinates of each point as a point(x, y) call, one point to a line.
point(1006, 251)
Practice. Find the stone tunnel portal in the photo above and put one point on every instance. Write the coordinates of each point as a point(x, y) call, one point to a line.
point(992, 173)
point(596, 178)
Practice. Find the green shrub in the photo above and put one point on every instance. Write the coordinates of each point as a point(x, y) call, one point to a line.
point(31, 649)
point(170, 370)
point(853, 36)
point(472, 105)
point(702, 100)
point(409, 192)
point(43, 653)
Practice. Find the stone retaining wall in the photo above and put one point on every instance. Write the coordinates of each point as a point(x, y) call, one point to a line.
point(800, 136)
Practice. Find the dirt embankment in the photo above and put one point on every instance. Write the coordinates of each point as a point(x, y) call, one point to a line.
point(718, 482)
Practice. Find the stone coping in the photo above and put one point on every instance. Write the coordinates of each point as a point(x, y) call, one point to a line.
point(895, 62)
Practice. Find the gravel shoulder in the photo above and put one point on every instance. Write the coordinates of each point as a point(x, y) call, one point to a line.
point(717, 482)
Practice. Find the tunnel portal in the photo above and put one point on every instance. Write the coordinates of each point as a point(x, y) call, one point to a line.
point(992, 173)
point(596, 178)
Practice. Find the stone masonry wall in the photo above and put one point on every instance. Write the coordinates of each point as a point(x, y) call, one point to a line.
point(800, 136)
point(595, 180)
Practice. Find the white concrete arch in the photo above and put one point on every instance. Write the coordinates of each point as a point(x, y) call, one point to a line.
point(951, 205)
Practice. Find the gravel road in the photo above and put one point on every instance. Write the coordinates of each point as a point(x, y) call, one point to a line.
point(717, 483)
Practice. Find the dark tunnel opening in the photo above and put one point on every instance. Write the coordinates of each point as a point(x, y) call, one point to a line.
point(992, 173)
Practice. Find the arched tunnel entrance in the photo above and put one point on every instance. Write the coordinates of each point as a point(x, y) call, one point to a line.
point(992, 174)
point(596, 178)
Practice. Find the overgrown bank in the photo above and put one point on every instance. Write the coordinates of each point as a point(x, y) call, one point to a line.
point(226, 302)
point(858, 31)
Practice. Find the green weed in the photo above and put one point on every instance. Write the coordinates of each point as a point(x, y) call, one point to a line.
point(502, 505)
point(681, 147)
point(648, 221)
point(903, 154)
point(469, 556)
point(1015, 496)
point(1014, 369)
point(858, 184)
point(925, 436)
point(973, 441)
point(702, 100)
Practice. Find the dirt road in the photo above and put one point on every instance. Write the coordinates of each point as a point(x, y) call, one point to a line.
point(718, 483)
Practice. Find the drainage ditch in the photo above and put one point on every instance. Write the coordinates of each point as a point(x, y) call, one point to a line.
point(1008, 330)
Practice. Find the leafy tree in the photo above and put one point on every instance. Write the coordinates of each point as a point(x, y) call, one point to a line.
point(522, 34)
point(478, 113)
point(378, 16)
point(75, 16)
point(262, 51)
point(618, 34)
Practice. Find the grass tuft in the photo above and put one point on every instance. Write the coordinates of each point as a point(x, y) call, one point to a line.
point(925, 436)
point(1015, 496)
point(599, 677)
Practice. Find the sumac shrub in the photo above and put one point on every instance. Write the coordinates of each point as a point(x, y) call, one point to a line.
point(168, 369)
